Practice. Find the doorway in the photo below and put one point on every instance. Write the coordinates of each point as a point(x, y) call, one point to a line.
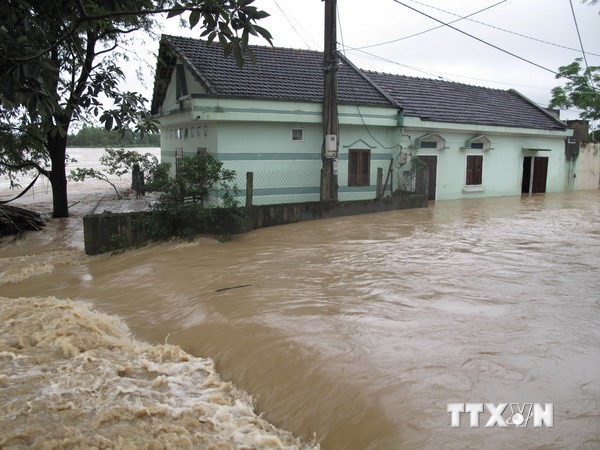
point(535, 172)
point(431, 162)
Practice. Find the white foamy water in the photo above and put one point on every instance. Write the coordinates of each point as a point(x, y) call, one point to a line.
point(74, 377)
point(359, 330)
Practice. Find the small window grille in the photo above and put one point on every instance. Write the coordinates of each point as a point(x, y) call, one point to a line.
point(297, 134)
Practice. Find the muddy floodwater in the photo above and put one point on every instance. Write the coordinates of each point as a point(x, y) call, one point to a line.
point(351, 333)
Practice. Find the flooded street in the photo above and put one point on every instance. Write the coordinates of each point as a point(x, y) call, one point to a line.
point(360, 330)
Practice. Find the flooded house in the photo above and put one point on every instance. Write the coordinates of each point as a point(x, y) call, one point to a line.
point(266, 118)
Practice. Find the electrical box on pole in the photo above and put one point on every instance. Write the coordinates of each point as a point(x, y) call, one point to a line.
point(331, 146)
point(329, 151)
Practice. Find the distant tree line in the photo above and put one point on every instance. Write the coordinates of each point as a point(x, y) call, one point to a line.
point(100, 137)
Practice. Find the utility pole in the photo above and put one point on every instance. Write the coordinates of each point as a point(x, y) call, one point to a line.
point(329, 152)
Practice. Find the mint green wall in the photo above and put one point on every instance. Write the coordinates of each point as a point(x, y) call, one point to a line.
point(255, 135)
point(286, 167)
point(171, 102)
point(502, 164)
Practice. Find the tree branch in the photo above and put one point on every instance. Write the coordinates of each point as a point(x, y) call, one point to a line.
point(88, 18)
point(26, 165)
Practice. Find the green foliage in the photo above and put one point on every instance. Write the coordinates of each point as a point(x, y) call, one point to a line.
point(117, 245)
point(158, 177)
point(182, 210)
point(100, 137)
point(60, 64)
point(81, 173)
point(121, 161)
point(580, 91)
point(198, 176)
point(116, 162)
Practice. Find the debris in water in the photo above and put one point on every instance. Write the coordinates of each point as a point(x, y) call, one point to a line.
point(14, 220)
point(233, 287)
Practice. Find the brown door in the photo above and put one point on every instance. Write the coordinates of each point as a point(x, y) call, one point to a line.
point(431, 162)
point(540, 172)
point(525, 184)
point(535, 172)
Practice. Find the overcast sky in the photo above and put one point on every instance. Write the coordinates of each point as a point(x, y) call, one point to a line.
point(444, 52)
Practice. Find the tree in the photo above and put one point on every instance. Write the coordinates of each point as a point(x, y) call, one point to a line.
point(116, 162)
point(100, 137)
point(580, 91)
point(59, 60)
point(183, 209)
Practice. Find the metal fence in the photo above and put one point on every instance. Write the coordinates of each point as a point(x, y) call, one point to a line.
point(414, 181)
point(299, 186)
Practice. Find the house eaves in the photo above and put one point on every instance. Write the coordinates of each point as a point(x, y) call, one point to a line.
point(280, 74)
point(449, 102)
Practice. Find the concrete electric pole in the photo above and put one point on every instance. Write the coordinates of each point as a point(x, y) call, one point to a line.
point(329, 154)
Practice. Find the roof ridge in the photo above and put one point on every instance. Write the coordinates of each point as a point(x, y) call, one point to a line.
point(253, 46)
point(434, 79)
point(535, 105)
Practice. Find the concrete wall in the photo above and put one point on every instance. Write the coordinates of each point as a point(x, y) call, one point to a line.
point(502, 164)
point(107, 232)
point(588, 163)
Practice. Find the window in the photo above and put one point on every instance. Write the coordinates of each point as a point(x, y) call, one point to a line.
point(178, 158)
point(201, 151)
point(478, 143)
point(359, 167)
point(297, 134)
point(474, 170)
point(430, 140)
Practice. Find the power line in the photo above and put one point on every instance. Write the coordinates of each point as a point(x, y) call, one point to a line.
point(434, 73)
point(397, 63)
point(352, 87)
point(292, 25)
point(431, 29)
point(477, 39)
point(495, 28)
point(581, 44)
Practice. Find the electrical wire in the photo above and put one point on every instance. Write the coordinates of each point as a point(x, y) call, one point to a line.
point(581, 44)
point(476, 38)
point(434, 74)
point(417, 69)
point(397, 146)
point(431, 29)
point(293, 27)
point(494, 27)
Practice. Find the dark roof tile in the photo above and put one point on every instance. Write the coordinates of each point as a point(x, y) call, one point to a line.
point(279, 74)
point(445, 101)
point(297, 75)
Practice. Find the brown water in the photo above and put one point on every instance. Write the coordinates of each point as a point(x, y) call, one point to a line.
point(361, 330)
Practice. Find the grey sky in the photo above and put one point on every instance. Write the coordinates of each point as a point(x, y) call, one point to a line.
point(443, 52)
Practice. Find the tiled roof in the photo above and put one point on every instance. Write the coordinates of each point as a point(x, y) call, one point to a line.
point(279, 74)
point(297, 75)
point(445, 101)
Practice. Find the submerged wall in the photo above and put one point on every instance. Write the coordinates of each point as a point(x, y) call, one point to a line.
point(109, 231)
point(588, 173)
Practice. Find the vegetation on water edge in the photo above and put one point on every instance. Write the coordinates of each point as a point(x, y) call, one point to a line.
point(100, 137)
point(199, 199)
